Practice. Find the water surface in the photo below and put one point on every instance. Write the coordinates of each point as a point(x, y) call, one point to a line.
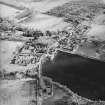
point(83, 76)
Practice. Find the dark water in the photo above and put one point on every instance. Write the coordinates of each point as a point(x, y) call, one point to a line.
point(83, 76)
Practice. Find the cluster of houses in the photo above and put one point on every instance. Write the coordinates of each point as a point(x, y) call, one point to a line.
point(29, 54)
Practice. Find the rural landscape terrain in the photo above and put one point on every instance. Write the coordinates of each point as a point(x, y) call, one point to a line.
point(52, 52)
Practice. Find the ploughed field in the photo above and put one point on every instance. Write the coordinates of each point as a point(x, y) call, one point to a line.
point(18, 92)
